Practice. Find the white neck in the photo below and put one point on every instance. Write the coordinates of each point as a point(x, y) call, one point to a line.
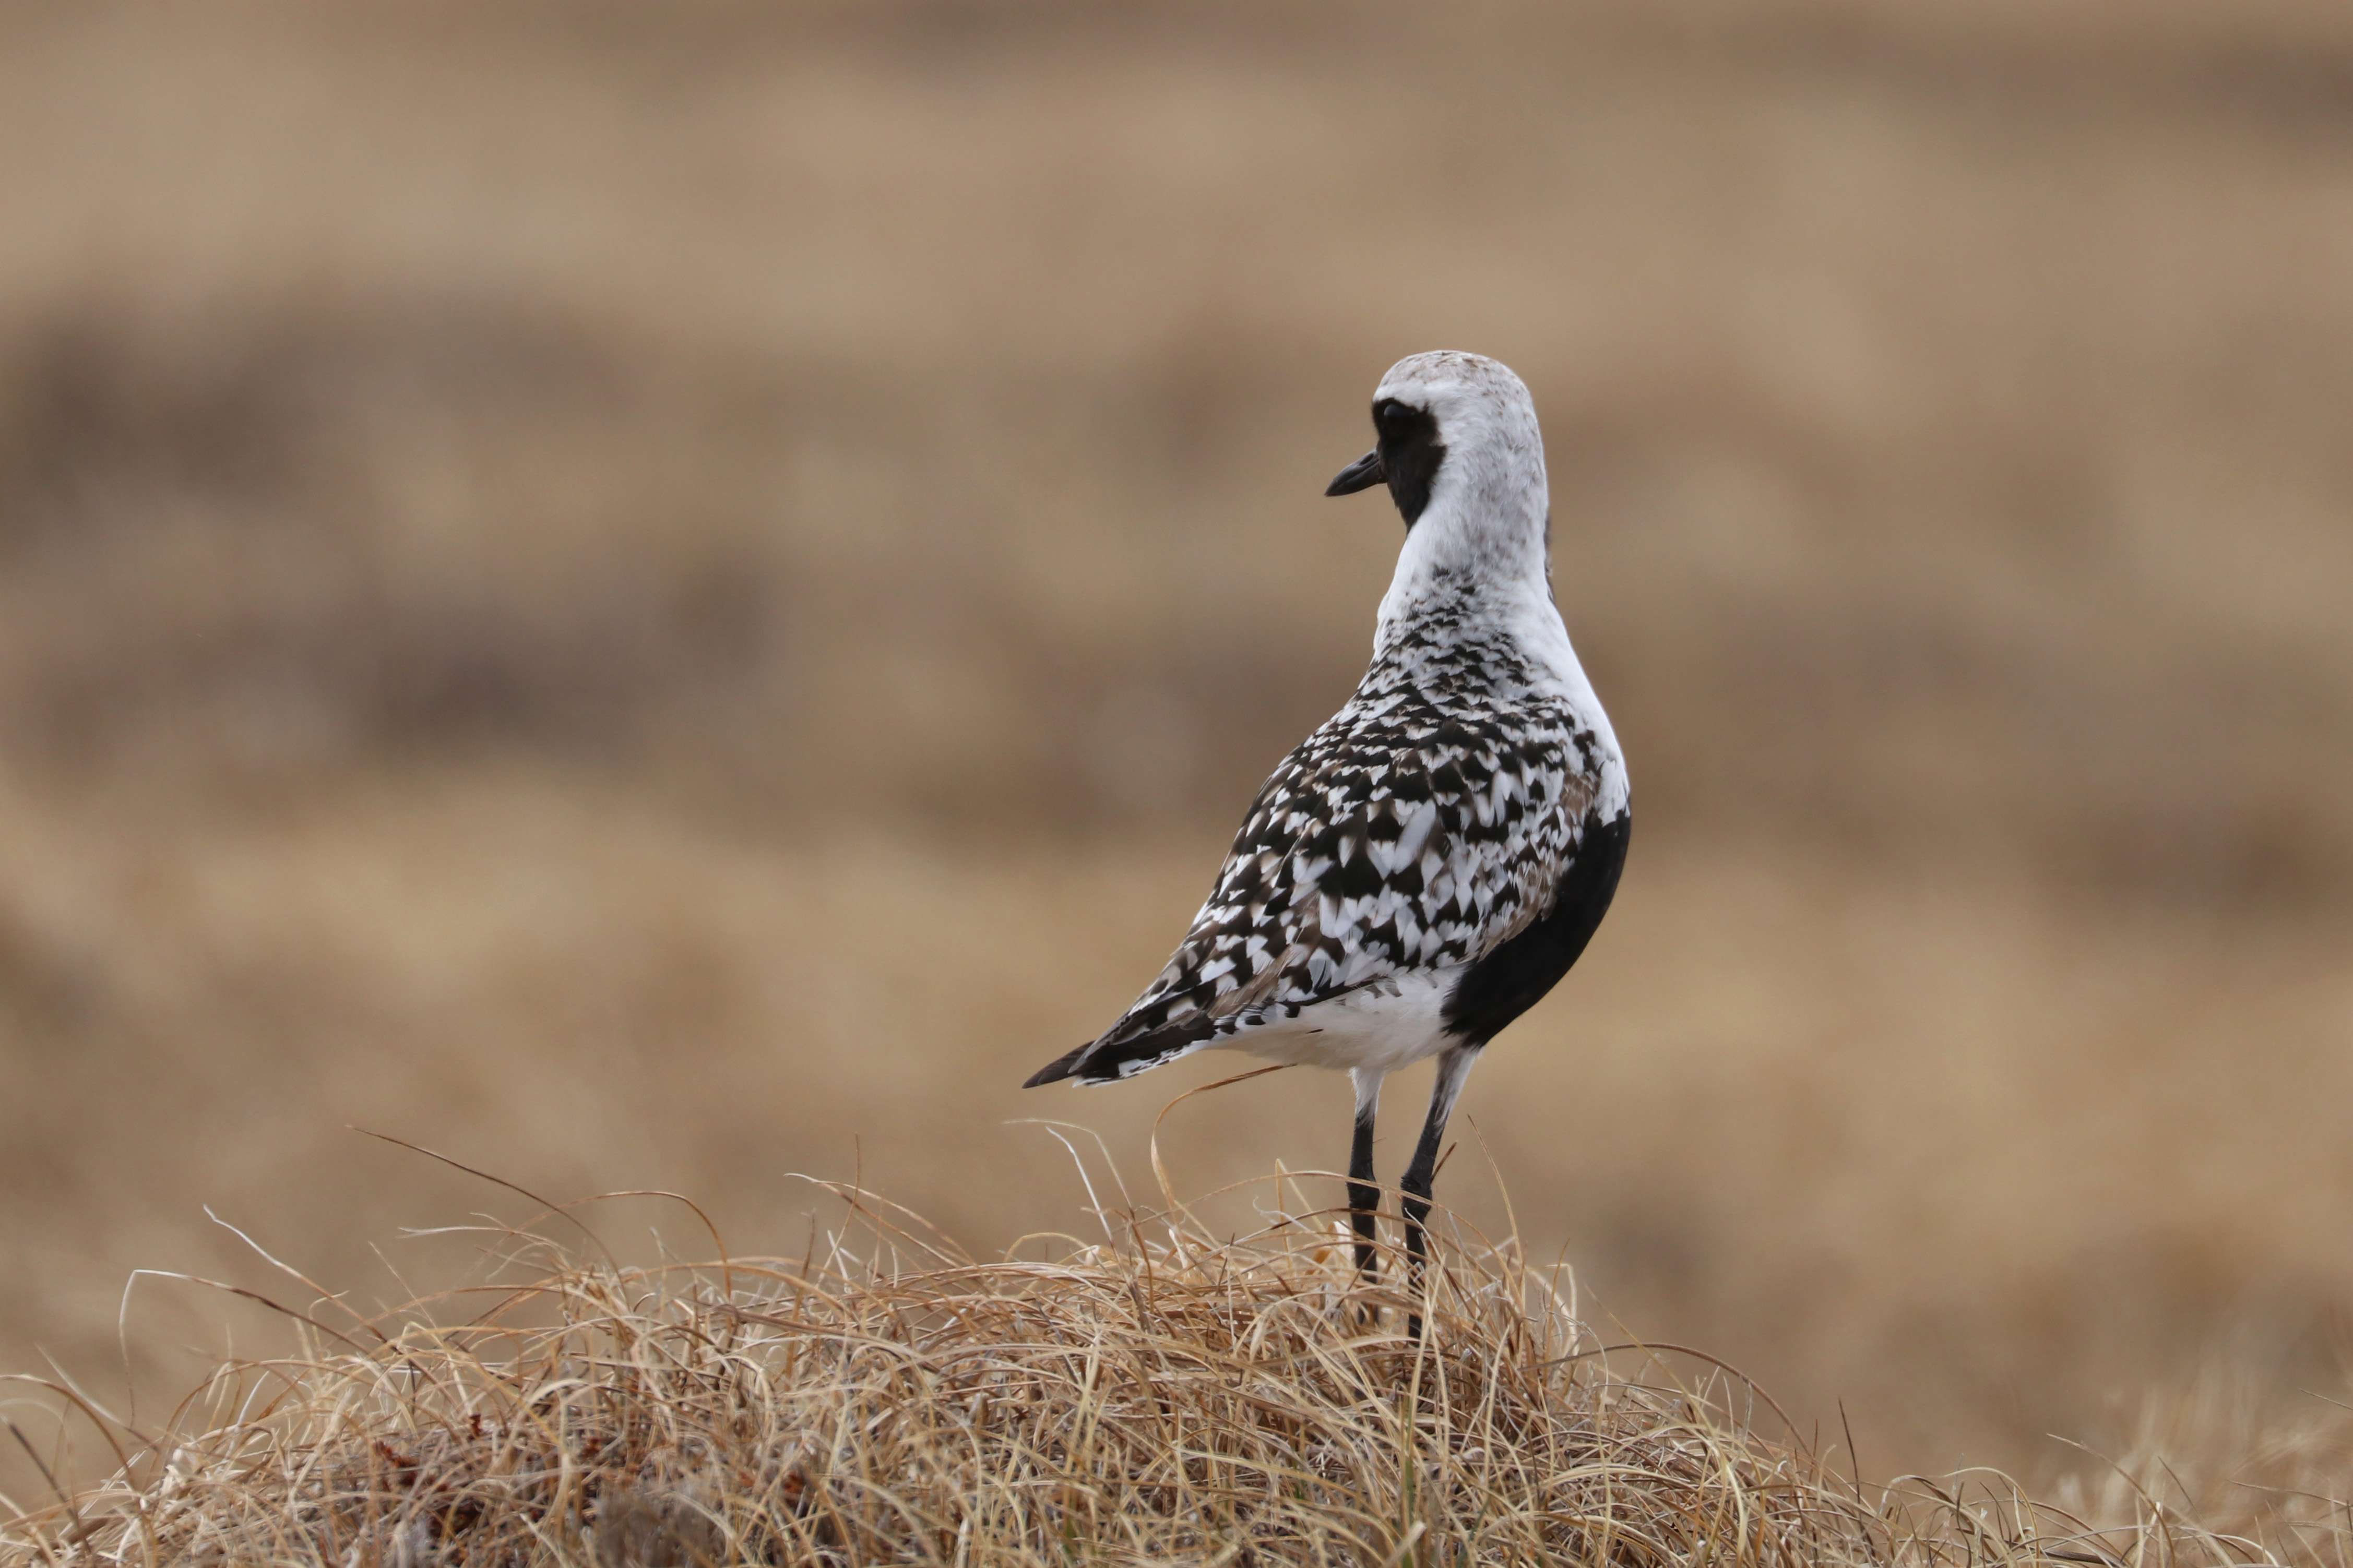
point(1479, 548)
point(1454, 552)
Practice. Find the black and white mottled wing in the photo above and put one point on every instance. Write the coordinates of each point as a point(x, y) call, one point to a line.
point(1400, 840)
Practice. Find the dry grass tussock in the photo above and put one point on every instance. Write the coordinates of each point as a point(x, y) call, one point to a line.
point(682, 591)
point(1158, 1395)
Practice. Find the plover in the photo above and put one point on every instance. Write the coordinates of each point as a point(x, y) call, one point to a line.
point(1429, 863)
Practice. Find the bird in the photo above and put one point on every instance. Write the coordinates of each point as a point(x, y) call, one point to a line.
point(1427, 865)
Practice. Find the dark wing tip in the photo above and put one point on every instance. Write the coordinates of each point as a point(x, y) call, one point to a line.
point(1058, 1069)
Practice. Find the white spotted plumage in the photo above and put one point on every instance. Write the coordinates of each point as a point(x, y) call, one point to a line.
point(1466, 793)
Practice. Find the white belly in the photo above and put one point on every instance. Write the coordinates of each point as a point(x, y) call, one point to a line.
point(1388, 1025)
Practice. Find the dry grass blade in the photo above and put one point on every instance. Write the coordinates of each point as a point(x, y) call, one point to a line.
point(1168, 1397)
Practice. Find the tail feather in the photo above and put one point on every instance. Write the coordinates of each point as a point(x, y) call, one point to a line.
point(1108, 1061)
point(1060, 1067)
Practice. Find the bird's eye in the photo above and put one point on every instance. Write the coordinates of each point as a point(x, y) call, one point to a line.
point(1391, 413)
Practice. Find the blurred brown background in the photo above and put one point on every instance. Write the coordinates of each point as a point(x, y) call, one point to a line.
point(666, 595)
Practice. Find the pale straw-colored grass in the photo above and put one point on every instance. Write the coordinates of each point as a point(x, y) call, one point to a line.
point(1156, 1395)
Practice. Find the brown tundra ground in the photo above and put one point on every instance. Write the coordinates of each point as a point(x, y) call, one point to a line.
point(667, 597)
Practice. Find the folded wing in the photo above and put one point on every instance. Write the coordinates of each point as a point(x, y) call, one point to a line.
point(1393, 841)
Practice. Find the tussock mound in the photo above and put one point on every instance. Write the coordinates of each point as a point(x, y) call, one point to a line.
point(1156, 1396)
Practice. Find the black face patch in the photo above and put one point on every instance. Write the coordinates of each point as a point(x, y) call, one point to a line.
point(1410, 453)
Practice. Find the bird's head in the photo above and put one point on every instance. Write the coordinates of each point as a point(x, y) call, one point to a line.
point(1457, 446)
point(1454, 431)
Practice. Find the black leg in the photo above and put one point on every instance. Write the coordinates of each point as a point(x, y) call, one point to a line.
point(1364, 1190)
point(1453, 1066)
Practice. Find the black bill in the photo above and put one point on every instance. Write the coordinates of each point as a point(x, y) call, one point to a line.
point(1361, 475)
